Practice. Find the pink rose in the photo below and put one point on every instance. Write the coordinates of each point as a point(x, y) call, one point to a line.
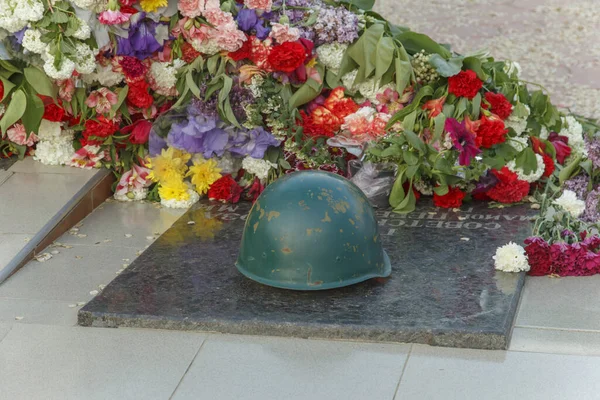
point(191, 8)
point(18, 135)
point(284, 33)
point(264, 5)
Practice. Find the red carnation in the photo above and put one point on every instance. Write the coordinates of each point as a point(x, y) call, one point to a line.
point(320, 122)
point(287, 57)
point(54, 113)
point(499, 105)
point(138, 95)
point(549, 165)
point(415, 192)
point(225, 189)
point(465, 84)
point(138, 131)
point(1, 90)
point(100, 128)
point(255, 190)
point(509, 189)
point(188, 53)
point(452, 199)
point(491, 131)
point(132, 68)
point(243, 52)
point(538, 255)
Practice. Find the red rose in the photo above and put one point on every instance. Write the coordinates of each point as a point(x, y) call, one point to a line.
point(287, 57)
point(188, 53)
point(549, 165)
point(452, 199)
point(53, 112)
point(138, 95)
point(138, 131)
point(561, 145)
point(509, 189)
point(499, 105)
point(100, 128)
point(538, 255)
point(225, 189)
point(491, 131)
point(243, 52)
point(465, 84)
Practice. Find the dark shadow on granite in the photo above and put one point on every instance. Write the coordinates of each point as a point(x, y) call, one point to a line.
point(443, 289)
point(6, 163)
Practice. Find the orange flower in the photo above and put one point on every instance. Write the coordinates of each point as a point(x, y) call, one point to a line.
point(435, 106)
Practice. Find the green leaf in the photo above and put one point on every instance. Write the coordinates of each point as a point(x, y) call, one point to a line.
point(410, 158)
point(21, 151)
point(212, 64)
point(385, 56)
point(366, 5)
point(303, 95)
point(474, 64)
point(415, 141)
point(423, 92)
point(526, 160)
point(364, 51)
point(40, 82)
point(189, 81)
point(120, 99)
point(441, 190)
point(476, 106)
point(408, 123)
point(227, 85)
point(14, 111)
point(403, 70)
point(461, 107)
point(415, 42)
point(446, 68)
point(32, 117)
point(59, 17)
point(7, 65)
point(506, 151)
point(567, 171)
point(8, 86)
point(312, 18)
point(520, 111)
point(439, 123)
point(407, 205)
point(397, 194)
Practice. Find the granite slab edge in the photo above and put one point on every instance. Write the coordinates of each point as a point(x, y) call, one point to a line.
point(484, 340)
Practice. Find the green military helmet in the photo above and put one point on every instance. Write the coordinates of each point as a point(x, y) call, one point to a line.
point(312, 230)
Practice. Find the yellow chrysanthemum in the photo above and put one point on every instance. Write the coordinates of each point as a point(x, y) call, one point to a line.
point(204, 173)
point(174, 189)
point(153, 5)
point(170, 164)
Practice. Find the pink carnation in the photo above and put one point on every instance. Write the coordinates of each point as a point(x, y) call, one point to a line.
point(259, 4)
point(191, 8)
point(284, 33)
point(110, 17)
point(18, 135)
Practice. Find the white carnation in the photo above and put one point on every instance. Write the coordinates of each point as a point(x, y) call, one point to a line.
point(258, 167)
point(519, 143)
point(50, 130)
point(86, 59)
point(534, 175)
point(570, 203)
point(208, 47)
point(172, 203)
point(133, 195)
point(57, 151)
point(164, 76)
point(511, 258)
point(83, 32)
point(67, 67)
point(574, 131)
point(32, 42)
point(330, 55)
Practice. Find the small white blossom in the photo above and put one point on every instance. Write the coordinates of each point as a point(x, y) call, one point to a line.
point(331, 54)
point(32, 42)
point(133, 195)
point(16, 14)
point(83, 32)
point(57, 152)
point(511, 258)
point(164, 77)
point(67, 67)
point(512, 67)
point(519, 143)
point(544, 134)
point(258, 167)
point(86, 59)
point(104, 75)
point(570, 203)
point(573, 130)
point(532, 176)
point(519, 124)
point(172, 203)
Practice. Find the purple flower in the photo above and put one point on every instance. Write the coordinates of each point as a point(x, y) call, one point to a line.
point(19, 35)
point(592, 207)
point(199, 135)
point(593, 148)
point(486, 182)
point(249, 22)
point(464, 141)
point(252, 143)
point(156, 143)
point(579, 185)
point(141, 42)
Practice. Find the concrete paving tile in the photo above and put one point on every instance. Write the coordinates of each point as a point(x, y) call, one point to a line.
point(444, 373)
point(50, 362)
point(29, 201)
point(237, 367)
point(109, 224)
point(4, 329)
point(556, 341)
point(10, 245)
point(561, 303)
point(67, 276)
point(4, 175)
point(32, 311)
point(30, 166)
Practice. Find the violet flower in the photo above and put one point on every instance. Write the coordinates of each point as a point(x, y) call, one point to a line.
point(199, 135)
point(156, 143)
point(250, 23)
point(464, 141)
point(253, 143)
point(141, 42)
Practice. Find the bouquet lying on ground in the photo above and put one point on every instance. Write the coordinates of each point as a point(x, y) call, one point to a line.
point(191, 98)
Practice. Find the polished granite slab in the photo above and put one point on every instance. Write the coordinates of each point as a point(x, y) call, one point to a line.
point(443, 289)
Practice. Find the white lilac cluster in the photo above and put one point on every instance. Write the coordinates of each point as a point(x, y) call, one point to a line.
point(32, 41)
point(104, 75)
point(86, 59)
point(172, 203)
point(570, 203)
point(368, 89)
point(67, 67)
point(16, 14)
point(519, 143)
point(258, 167)
point(331, 54)
point(424, 71)
point(255, 85)
point(534, 175)
point(511, 258)
point(573, 130)
point(519, 124)
point(84, 31)
point(55, 146)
